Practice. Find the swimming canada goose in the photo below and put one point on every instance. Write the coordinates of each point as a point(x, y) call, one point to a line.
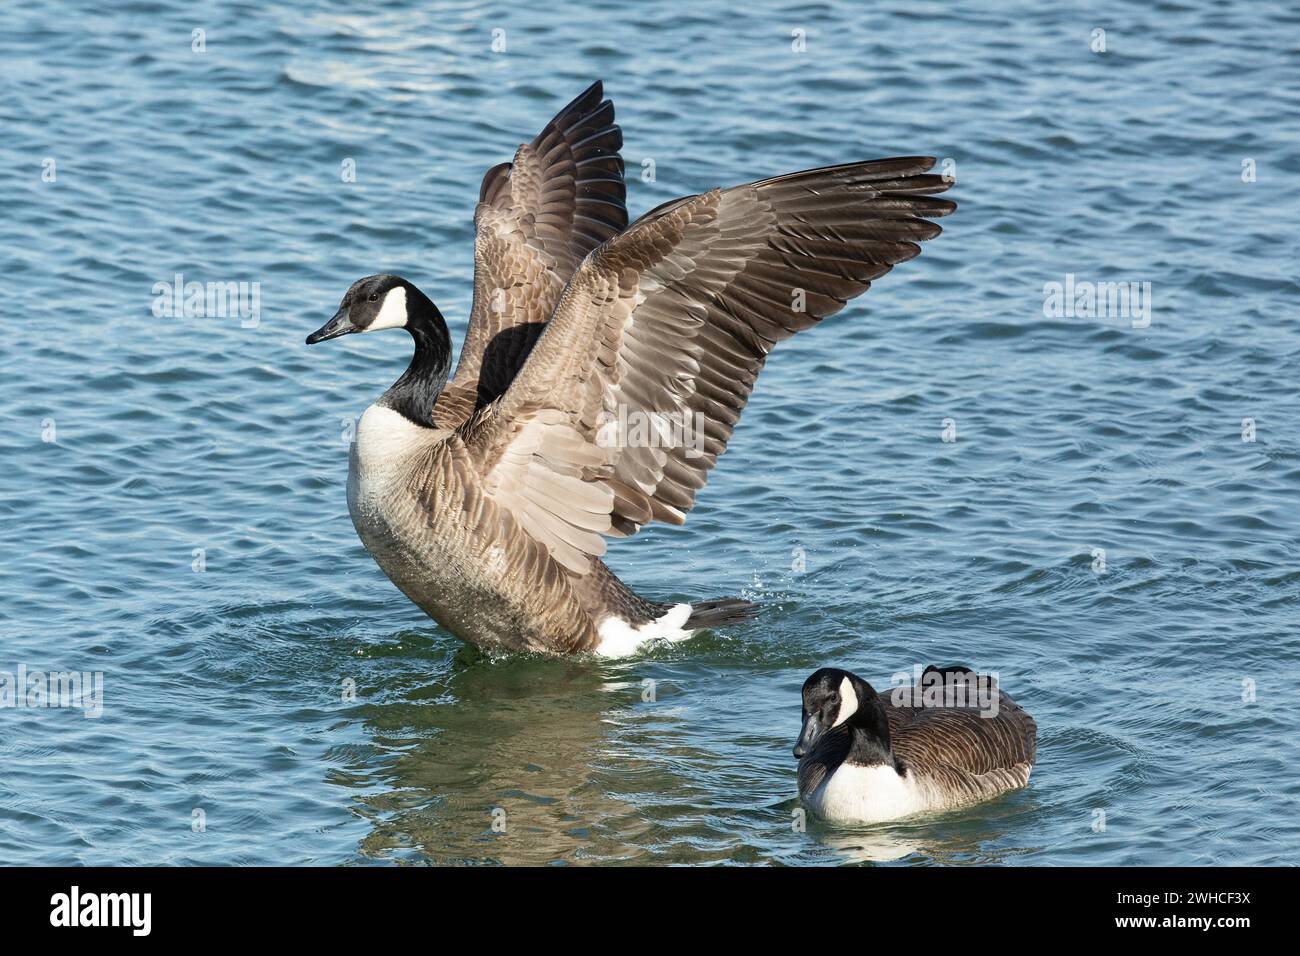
point(952, 739)
point(602, 373)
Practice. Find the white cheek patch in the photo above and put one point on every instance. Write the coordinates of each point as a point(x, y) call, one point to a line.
point(848, 702)
point(393, 313)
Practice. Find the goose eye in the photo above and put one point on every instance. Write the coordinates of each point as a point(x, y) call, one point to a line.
point(373, 297)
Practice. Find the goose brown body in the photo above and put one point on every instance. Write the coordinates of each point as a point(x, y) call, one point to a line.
point(425, 519)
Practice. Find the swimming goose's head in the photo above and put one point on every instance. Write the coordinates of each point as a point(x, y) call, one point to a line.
point(833, 699)
point(374, 303)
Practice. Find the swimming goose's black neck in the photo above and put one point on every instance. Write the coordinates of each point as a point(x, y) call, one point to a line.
point(869, 743)
point(414, 394)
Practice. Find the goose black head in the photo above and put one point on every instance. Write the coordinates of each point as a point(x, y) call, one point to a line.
point(374, 303)
point(390, 302)
point(835, 699)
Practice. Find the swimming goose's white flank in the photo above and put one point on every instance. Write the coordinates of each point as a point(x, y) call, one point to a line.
point(488, 499)
point(953, 739)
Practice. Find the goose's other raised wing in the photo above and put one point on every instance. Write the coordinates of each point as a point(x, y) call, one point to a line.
point(670, 323)
point(536, 219)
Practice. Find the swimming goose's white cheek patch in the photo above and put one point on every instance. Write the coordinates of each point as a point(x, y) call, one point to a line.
point(393, 313)
point(848, 702)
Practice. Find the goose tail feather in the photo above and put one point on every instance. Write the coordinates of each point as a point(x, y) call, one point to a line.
point(720, 613)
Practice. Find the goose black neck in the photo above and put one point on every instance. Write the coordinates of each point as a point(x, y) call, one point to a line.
point(870, 744)
point(414, 394)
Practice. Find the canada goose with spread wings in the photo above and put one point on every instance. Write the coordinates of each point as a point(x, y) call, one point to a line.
point(488, 500)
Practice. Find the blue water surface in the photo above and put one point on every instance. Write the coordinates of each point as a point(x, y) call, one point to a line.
point(1112, 528)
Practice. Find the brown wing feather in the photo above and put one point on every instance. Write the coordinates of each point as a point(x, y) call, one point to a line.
point(963, 739)
point(676, 316)
point(536, 219)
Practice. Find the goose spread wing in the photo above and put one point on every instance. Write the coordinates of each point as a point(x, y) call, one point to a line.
point(635, 385)
point(536, 219)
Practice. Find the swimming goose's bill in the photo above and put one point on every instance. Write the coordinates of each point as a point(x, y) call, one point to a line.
point(488, 499)
point(952, 740)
